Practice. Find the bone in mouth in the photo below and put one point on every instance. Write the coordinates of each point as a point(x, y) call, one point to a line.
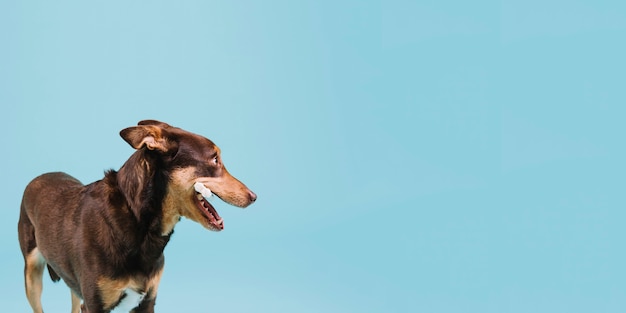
point(204, 191)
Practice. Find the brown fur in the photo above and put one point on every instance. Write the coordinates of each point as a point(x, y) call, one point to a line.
point(109, 236)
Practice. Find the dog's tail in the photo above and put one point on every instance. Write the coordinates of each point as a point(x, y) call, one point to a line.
point(53, 275)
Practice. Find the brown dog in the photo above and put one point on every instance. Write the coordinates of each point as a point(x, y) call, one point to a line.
point(106, 239)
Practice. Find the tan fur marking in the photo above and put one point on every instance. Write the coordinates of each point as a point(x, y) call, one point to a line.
point(111, 290)
point(75, 303)
point(179, 200)
point(170, 219)
point(152, 285)
point(174, 200)
point(35, 264)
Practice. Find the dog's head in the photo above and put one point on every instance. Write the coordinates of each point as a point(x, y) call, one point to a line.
point(187, 159)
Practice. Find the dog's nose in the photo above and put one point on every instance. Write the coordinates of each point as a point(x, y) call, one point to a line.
point(252, 195)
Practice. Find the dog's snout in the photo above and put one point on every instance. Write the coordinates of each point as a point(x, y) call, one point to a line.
point(252, 196)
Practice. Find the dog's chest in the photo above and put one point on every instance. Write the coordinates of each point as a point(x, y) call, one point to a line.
point(125, 294)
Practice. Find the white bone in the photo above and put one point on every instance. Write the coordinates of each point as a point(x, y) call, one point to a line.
point(206, 192)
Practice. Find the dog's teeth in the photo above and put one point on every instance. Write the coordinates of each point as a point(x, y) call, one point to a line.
point(199, 196)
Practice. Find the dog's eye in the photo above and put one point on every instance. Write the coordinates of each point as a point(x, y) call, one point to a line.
point(214, 160)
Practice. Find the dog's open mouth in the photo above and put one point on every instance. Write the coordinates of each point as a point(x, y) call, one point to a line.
point(209, 212)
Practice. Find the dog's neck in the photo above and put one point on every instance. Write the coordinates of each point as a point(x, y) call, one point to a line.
point(143, 185)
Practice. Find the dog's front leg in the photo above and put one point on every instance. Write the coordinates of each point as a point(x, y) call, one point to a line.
point(83, 309)
point(92, 303)
point(146, 306)
point(94, 308)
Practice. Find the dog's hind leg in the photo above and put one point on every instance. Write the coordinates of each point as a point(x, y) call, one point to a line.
point(34, 262)
point(33, 274)
point(75, 303)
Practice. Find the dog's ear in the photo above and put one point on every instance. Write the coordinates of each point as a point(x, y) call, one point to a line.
point(155, 123)
point(150, 136)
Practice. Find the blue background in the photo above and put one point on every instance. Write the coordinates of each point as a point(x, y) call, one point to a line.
point(409, 156)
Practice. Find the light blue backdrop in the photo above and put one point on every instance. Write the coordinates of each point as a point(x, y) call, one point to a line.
point(409, 156)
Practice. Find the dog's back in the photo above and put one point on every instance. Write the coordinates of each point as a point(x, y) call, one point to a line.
point(48, 201)
point(50, 193)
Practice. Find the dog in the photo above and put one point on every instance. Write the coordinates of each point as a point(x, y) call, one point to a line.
point(106, 239)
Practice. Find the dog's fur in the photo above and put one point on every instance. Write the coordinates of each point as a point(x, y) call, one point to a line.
point(106, 239)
